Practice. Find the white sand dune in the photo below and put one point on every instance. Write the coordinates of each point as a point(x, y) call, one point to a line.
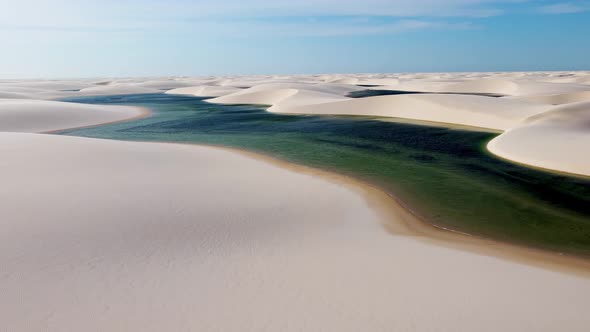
point(53, 85)
point(279, 98)
point(18, 115)
point(557, 140)
point(116, 89)
point(532, 88)
point(528, 94)
point(331, 88)
point(492, 86)
point(57, 90)
point(13, 95)
point(261, 97)
point(204, 91)
point(166, 84)
point(154, 237)
point(559, 99)
point(29, 92)
point(292, 94)
point(378, 81)
point(102, 235)
point(489, 86)
point(345, 80)
point(476, 111)
point(299, 98)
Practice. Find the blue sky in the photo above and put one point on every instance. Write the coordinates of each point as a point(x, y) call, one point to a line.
point(204, 37)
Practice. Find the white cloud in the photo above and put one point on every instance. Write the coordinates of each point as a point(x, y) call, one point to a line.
point(266, 17)
point(318, 28)
point(56, 11)
point(564, 8)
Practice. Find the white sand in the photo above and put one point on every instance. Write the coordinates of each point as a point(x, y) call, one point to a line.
point(559, 99)
point(162, 237)
point(18, 115)
point(116, 89)
point(204, 91)
point(557, 140)
point(477, 111)
point(102, 235)
point(527, 95)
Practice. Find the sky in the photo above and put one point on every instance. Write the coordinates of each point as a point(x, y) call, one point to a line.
point(120, 38)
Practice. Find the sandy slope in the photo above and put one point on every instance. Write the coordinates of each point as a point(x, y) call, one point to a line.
point(557, 140)
point(559, 99)
point(273, 93)
point(204, 91)
point(18, 115)
point(116, 89)
point(153, 237)
point(477, 111)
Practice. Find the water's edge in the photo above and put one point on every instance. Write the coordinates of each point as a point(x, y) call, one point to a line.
point(446, 174)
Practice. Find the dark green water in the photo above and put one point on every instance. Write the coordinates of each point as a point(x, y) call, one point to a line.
point(444, 174)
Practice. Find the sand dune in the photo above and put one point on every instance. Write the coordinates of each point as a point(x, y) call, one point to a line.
point(115, 89)
point(295, 93)
point(492, 86)
point(543, 88)
point(529, 96)
point(53, 85)
point(57, 90)
point(345, 80)
point(166, 84)
point(559, 99)
point(299, 98)
point(557, 140)
point(484, 112)
point(204, 91)
point(378, 81)
point(18, 115)
point(12, 95)
point(332, 88)
point(262, 97)
point(152, 237)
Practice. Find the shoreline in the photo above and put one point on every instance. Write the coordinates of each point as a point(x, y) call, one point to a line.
point(144, 113)
point(531, 166)
point(399, 219)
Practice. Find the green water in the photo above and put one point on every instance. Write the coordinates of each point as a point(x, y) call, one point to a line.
point(444, 174)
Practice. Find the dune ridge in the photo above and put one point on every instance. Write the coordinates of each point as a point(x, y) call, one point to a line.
point(557, 140)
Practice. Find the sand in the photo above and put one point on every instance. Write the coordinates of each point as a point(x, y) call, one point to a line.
point(152, 237)
point(557, 140)
point(476, 111)
point(447, 101)
point(559, 99)
point(204, 91)
point(525, 95)
point(18, 115)
point(128, 236)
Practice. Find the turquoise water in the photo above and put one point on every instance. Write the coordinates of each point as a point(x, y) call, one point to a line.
point(444, 174)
